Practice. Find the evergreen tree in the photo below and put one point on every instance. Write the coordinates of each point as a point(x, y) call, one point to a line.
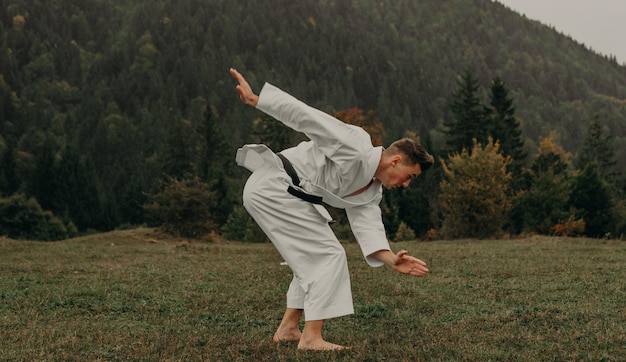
point(390, 211)
point(178, 162)
point(9, 177)
point(598, 150)
point(415, 201)
point(544, 203)
point(274, 134)
point(7, 108)
point(469, 116)
point(504, 126)
point(78, 192)
point(213, 146)
point(592, 199)
point(215, 156)
point(242, 227)
point(43, 185)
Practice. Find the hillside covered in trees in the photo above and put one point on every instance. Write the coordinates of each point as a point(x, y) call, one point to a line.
point(106, 104)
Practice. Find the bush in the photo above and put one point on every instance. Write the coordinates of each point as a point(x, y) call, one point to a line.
point(570, 227)
point(23, 218)
point(404, 233)
point(473, 200)
point(241, 227)
point(184, 207)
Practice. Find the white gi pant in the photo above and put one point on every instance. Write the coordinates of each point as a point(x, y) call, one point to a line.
point(321, 281)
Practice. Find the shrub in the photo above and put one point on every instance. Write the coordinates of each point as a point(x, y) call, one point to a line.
point(473, 198)
point(241, 227)
point(184, 207)
point(404, 233)
point(569, 227)
point(23, 218)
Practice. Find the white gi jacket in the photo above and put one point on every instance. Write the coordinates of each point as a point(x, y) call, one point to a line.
point(338, 160)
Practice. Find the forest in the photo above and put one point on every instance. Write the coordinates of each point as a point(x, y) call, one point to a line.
point(115, 114)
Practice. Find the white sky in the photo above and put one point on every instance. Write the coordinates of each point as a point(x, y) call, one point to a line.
point(599, 24)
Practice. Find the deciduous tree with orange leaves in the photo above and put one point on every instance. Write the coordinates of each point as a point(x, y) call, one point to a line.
point(368, 121)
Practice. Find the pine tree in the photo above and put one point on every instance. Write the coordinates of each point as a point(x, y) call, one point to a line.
point(212, 166)
point(391, 212)
point(274, 134)
point(592, 198)
point(505, 128)
point(415, 201)
point(178, 162)
point(212, 146)
point(9, 177)
point(78, 192)
point(43, 185)
point(597, 149)
point(544, 203)
point(469, 116)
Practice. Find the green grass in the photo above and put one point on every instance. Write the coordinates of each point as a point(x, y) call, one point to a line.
point(129, 295)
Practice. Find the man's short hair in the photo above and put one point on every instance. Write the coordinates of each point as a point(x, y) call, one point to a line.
point(414, 152)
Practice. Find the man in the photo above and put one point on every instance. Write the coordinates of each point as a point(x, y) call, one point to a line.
point(340, 167)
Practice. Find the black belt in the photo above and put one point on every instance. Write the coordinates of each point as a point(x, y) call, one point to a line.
point(296, 181)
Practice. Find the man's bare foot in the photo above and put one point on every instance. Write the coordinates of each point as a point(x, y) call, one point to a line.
point(287, 335)
point(321, 346)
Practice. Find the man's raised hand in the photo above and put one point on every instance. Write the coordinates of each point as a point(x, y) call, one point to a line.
point(245, 92)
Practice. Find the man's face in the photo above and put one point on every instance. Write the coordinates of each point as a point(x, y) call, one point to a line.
point(398, 174)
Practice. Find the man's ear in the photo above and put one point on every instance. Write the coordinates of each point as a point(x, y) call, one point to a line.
point(396, 159)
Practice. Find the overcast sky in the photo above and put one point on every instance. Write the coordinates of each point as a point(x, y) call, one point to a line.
point(599, 24)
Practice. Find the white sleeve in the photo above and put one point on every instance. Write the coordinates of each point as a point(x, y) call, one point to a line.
point(326, 131)
point(367, 225)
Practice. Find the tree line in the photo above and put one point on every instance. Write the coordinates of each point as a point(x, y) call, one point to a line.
point(115, 114)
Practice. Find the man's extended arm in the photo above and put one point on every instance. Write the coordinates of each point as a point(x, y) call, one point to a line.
point(326, 131)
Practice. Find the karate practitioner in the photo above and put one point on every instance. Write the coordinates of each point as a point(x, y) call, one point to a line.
point(337, 166)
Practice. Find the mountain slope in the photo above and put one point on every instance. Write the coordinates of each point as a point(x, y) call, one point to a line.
point(117, 80)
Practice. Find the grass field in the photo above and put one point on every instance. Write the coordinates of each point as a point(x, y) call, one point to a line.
point(134, 296)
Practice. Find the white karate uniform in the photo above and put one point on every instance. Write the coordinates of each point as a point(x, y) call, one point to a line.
point(338, 160)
